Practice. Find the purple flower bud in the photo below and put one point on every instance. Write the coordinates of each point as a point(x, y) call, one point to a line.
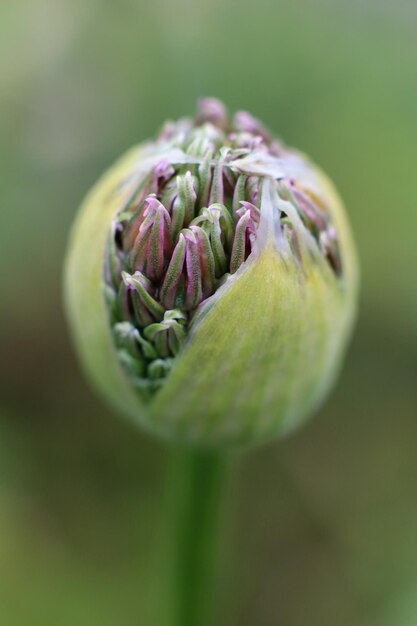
point(213, 111)
point(216, 230)
point(193, 219)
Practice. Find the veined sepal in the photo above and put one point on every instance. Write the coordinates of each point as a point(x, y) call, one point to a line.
point(283, 325)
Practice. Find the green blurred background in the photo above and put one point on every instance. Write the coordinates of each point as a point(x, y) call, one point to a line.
point(326, 521)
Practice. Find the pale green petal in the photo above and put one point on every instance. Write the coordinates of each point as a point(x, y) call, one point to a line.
point(268, 351)
point(84, 284)
point(262, 359)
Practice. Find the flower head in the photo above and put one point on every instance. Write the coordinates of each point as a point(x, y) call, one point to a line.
point(211, 281)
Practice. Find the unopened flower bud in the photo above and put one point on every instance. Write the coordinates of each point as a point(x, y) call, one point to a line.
point(211, 282)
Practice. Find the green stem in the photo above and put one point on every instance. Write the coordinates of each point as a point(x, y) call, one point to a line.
point(192, 550)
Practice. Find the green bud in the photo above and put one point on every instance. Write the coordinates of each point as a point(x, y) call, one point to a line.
point(211, 283)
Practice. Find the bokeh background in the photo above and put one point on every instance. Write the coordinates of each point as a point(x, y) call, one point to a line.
point(326, 521)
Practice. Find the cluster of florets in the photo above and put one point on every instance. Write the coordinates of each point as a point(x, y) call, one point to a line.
point(189, 225)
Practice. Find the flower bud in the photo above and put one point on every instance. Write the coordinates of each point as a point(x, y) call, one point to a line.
point(211, 282)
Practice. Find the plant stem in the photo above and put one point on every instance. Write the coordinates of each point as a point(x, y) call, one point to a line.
point(193, 538)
